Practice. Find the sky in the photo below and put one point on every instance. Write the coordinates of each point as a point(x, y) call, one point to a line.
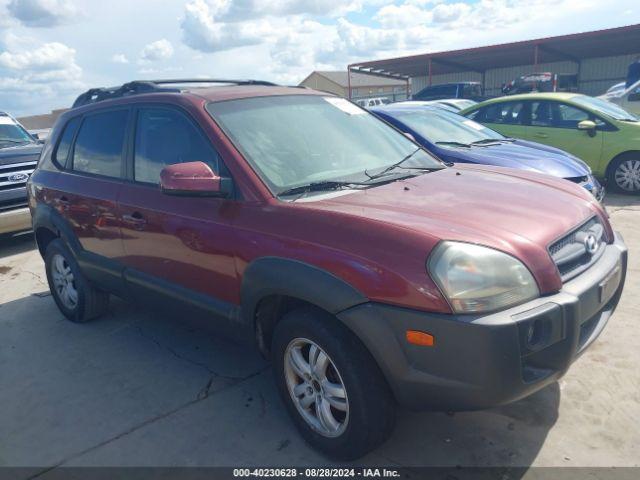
point(52, 50)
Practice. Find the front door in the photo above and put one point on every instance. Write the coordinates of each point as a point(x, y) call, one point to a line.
point(184, 244)
point(556, 124)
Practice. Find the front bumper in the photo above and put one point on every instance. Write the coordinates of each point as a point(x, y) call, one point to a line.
point(15, 220)
point(484, 361)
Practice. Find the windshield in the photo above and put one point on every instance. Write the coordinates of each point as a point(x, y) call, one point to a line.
point(300, 139)
point(12, 133)
point(604, 107)
point(441, 126)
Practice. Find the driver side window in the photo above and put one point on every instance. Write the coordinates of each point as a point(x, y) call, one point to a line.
point(166, 137)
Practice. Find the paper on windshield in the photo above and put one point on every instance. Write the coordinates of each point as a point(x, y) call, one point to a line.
point(6, 120)
point(474, 125)
point(345, 106)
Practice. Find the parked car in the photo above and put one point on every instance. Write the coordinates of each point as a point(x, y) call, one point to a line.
point(369, 272)
point(468, 90)
point(615, 89)
point(372, 102)
point(19, 154)
point(451, 104)
point(454, 138)
point(542, 82)
point(40, 134)
point(626, 98)
point(599, 132)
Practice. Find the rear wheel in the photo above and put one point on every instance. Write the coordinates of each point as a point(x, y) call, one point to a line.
point(76, 298)
point(624, 174)
point(331, 385)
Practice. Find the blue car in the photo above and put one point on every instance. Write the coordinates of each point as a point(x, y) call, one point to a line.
point(457, 139)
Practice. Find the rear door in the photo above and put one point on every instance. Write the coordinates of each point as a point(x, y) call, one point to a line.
point(509, 118)
point(183, 244)
point(92, 150)
point(556, 123)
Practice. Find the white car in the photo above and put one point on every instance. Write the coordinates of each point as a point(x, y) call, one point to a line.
point(372, 102)
point(627, 98)
point(452, 104)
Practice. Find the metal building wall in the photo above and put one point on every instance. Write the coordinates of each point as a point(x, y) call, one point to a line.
point(596, 74)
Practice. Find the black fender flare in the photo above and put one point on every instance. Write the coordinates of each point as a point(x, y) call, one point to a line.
point(45, 216)
point(267, 276)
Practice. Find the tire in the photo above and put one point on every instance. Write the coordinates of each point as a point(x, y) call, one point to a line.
point(365, 416)
point(62, 269)
point(624, 174)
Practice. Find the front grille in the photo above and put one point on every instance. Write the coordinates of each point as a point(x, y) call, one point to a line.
point(15, 175)
point(8, 205)
point(579, 249)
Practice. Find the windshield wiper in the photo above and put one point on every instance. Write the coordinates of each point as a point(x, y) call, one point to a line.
point(454, 144)
point(486, 141)
point(16, 142)
point(393, 166)
point(317, 187)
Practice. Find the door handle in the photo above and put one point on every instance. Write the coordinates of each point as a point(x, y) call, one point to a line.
point(136, 218)
point(540, 135)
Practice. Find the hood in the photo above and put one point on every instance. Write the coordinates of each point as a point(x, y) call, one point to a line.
point(20, 153)
point(517, 212)
point(523, 155)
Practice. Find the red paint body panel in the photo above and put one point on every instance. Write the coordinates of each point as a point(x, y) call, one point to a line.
point(377, 240)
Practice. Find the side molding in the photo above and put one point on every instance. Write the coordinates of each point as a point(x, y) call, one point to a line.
point(268, 276)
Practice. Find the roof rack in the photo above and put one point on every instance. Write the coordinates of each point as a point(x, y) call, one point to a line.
point(136, 87)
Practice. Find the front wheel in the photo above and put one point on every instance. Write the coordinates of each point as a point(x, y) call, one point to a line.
point(331, 385)
point(624, 174)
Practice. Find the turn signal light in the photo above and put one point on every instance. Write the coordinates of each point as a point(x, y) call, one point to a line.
point(420, 338)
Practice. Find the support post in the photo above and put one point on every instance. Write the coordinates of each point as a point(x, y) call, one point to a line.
point(430, 73)
point(349, 82)
point(536, 52)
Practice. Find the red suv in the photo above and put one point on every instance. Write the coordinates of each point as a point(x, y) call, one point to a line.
point(369, 271)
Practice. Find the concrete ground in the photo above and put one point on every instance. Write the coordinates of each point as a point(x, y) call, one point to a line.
point(138, 389)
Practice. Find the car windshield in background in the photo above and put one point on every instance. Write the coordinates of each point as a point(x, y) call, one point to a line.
point(11, 133)
point(298, 140)
point(605, 107)
point(441, 127)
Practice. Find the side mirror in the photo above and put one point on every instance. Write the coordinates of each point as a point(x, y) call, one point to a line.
point(194, 179)
point(588, 126)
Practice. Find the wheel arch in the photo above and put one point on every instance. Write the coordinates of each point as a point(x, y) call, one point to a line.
point(48, 225)
point(273, 286)
point(628, 153)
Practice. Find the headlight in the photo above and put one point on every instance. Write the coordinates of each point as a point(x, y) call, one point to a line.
point(480, 279)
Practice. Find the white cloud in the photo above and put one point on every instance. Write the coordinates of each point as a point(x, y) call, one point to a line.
point(43, 13)
point(240, 10)
point(158, 50)
point(120, 58)
point(31, 72)
point(201, 31)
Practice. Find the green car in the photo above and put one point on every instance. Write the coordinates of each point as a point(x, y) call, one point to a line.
point(599, 132)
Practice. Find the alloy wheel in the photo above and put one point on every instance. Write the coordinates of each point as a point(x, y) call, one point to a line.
point(627, 175)
point(316, 387)
point(64, 282)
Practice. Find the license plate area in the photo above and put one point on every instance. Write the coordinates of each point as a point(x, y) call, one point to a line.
point(609, 285)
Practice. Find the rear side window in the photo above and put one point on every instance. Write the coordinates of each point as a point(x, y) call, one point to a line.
point(64, 146)
point(166, 137)
point(98, 148)
point(511, 113)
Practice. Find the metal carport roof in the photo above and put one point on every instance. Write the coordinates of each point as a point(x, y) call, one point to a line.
point(574, 47)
